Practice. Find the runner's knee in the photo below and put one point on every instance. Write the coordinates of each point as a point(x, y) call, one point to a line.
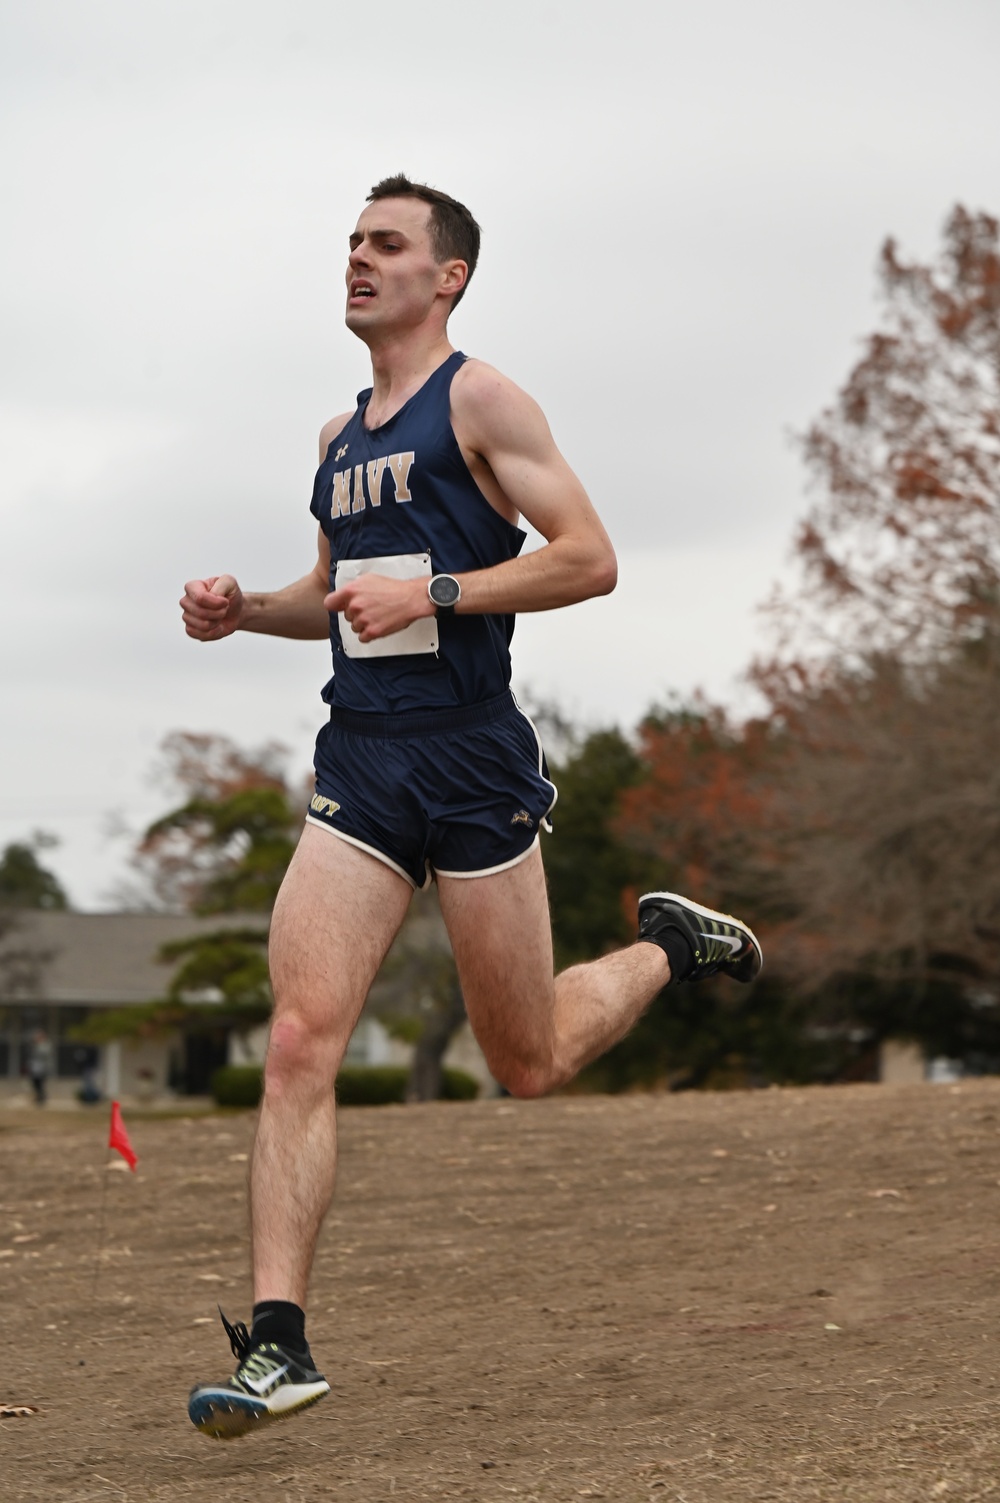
point(301, 1054)
point(527, 1078)
point(526, 1083)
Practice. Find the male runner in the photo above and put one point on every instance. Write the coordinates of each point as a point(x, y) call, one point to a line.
point(426, 767)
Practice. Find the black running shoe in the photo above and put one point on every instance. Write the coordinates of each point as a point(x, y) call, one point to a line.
point(268, 1384)
point(718, 942)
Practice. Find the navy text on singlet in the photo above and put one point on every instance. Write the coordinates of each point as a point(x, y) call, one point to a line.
point(404, 488)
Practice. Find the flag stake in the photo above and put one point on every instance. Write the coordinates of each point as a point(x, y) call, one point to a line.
point(118, 1140)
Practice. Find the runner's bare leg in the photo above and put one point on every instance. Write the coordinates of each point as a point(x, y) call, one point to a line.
point(336, 916)
point(538, 1032)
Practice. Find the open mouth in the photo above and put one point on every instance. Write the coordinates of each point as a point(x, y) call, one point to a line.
point(362, 289)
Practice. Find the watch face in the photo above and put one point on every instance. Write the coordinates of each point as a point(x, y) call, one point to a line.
point(444, 590)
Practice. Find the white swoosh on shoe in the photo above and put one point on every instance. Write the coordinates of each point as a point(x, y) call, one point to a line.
point(724, 939)
point(261, 1385)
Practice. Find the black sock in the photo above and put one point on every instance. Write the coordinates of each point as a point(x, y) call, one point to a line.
point(280, 1321)
point(678, 952)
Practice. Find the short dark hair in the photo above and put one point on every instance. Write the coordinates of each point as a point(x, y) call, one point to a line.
point(454, 232)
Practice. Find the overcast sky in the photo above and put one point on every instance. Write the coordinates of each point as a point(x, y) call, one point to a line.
point(682, 207)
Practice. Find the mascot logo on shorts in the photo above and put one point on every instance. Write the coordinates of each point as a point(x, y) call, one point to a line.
point(522, 817)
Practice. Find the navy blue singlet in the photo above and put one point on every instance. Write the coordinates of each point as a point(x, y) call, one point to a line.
point(404, 488)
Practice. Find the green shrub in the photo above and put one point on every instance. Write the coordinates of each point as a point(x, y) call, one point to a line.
point(237, 1085)
point(357, 1085)
point(380, 1085)
point(458, 1085)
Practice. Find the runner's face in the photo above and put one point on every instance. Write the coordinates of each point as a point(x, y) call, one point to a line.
point(393, 280)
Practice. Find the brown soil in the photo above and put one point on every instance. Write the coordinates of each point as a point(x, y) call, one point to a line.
point(697, 1299)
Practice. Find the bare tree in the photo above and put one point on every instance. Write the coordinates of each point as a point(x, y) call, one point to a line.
point(887, 821)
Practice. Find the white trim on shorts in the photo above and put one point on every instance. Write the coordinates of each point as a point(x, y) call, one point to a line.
point(541, 758)
point(371, 850)
point(491, 871)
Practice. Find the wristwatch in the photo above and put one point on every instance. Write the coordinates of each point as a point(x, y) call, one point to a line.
point(445, 592)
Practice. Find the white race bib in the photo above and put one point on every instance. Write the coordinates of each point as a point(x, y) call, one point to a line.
point(419, 636)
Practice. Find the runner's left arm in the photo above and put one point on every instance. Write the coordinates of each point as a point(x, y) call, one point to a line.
point(515, 461)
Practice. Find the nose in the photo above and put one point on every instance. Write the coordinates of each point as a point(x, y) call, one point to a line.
point(358, 256)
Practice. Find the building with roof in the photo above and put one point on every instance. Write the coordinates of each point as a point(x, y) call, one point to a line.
point(57, 968)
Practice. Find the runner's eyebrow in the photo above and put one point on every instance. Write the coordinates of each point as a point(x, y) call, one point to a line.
point(356, 239)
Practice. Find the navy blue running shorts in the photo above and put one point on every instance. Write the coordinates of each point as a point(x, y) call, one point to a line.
point(461, 793)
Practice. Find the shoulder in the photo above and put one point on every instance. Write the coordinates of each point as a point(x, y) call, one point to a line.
point(329, 432)
point(489, 405)
point(477, 386)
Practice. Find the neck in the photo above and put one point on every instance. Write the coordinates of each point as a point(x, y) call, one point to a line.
point(401, 364)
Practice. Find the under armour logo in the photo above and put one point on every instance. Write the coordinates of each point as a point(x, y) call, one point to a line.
point(340, 454)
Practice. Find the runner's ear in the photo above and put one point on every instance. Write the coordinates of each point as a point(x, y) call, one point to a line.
point(456, 274)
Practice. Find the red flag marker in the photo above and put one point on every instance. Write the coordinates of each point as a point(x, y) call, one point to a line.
point(118, 1137)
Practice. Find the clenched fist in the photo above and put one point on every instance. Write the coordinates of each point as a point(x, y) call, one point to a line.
point(212, 607)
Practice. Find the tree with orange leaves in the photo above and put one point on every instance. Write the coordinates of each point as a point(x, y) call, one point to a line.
point(859, 821)
point(887, 676)
point(699, 818)
point(900, 553)
point(227, 846)
point(700, 807)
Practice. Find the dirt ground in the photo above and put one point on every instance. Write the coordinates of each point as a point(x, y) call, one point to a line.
point(764, 1295)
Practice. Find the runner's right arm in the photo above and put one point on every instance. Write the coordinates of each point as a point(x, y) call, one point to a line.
point(215, 607)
